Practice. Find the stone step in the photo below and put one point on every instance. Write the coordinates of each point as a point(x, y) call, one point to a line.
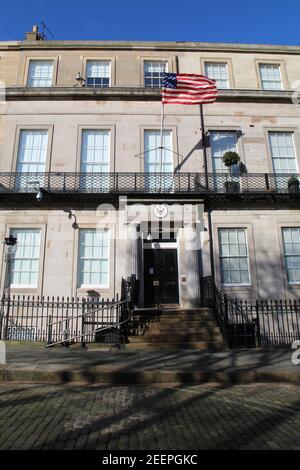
point(190, 310)
point(174, 319)
point(177, 315)
point(165, 337)
point(176, 325)
point(190, 313)
point(185, 328)
point(200, 345)
point(118, 374)
point(186, 318)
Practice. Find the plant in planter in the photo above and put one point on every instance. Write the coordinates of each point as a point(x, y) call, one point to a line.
point(230, 159)
point(293, 184)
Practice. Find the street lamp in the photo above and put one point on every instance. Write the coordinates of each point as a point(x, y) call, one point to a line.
point(11, 247)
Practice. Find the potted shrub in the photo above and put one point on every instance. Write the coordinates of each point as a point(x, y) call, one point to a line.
point(293, 184)
point(230, 159)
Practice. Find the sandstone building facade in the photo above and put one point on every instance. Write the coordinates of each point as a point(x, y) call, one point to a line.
point(80, 122)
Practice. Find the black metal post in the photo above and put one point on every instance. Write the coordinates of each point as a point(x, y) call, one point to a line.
point(82, 323)
point(49, 340)
point(204, 145)
point(7, 318)
point(211, 246)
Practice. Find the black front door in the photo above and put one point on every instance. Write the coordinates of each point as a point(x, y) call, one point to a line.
point(160, 276)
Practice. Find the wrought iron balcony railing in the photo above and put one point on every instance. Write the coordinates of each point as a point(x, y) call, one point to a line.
point(144, 183)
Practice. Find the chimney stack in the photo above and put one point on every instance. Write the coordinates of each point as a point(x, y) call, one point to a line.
point(33, 35)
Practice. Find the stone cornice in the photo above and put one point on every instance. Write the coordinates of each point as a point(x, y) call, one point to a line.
point(150, 46)
point(134, 94)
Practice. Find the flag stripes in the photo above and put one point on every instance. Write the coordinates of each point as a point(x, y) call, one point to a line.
point(188, 89)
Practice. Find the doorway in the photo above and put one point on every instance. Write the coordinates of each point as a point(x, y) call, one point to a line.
point(160, 275)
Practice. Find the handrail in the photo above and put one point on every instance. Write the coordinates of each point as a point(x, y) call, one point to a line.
point(91, 312)
point(111, 306)
point(229, 313)
point(225, 297)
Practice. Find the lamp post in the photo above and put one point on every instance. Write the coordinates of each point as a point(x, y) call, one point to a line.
point(11, 247)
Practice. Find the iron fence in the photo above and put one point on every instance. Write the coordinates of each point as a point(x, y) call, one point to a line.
point(128, 182)
point(265, 322)
point(64, 320)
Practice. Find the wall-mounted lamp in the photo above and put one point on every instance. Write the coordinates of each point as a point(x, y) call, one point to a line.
point(11, 248)
point(149, 237)
point(41, 193)
point(70, 215)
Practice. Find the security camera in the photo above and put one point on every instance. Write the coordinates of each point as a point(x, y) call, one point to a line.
point(80, 79)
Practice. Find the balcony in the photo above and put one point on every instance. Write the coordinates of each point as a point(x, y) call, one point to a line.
point(20, 187)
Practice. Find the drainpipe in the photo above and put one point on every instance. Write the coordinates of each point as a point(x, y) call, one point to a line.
point(211, 246)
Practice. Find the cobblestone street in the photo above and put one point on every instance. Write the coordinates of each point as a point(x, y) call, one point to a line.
point(254, 416)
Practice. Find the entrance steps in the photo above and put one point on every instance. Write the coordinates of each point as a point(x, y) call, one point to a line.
point(174, 328)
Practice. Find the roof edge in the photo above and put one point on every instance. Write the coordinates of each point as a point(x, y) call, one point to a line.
point(150, 45)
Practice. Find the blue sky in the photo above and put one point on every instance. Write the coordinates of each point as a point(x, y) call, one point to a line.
point(254, 21)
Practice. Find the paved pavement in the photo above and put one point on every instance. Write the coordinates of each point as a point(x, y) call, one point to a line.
point(255, 416)
point(27, 362)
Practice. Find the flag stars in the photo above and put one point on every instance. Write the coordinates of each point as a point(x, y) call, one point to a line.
point(169, 80)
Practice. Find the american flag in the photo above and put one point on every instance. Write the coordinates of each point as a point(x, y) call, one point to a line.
point(186, 88)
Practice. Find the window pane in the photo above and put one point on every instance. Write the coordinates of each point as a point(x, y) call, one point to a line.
point(270, 76)
point(158, 160)
point(283, 152)
point(93, 257)
point(40, 73)
point(32, 154)
point(98, 73)
point(25, 265)
point(221, 142)
point(218, 72)
point(153, 73)
point(233, 256)
point(291, 243)
point(95, 155)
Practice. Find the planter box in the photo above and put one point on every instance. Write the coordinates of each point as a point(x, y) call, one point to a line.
point(232, 187)
point(293, 188)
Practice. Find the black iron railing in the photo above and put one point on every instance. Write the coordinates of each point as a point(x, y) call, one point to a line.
point(265, 322)
point(238, 329)
point(127, 182)
point(65, 320)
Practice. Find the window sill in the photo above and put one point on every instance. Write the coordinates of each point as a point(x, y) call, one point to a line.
point(236, 285)
point(85, 288)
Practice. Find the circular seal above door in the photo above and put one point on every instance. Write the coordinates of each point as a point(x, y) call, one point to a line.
point(160, 211)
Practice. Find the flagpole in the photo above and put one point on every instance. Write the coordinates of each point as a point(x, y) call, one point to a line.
point(204, 145)
point(210, 227)
point(161, 132)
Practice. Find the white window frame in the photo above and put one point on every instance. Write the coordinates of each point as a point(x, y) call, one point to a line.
point(289, 255)
point(158, 152)
point(160, 159)
point(216, 65)
point(160, 78)
point(14, 232)
point(234, 284)
point(265, 81)
point(79, 272)
point(31, 78)
point(101, 85)
point(214, 159)
point(291, 172)
point(88, 179)
point(34, 181)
